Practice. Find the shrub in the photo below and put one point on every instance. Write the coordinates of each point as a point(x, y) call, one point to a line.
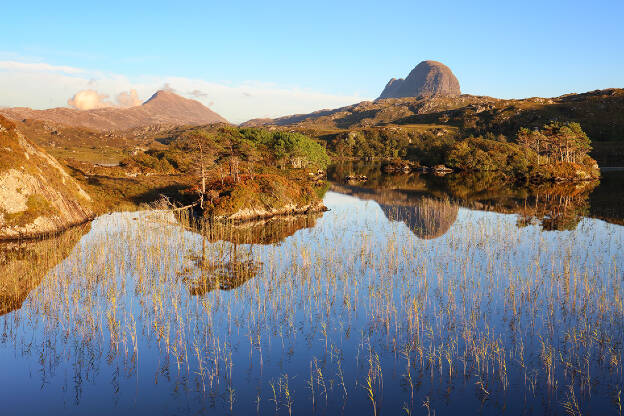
point(478, 154)
point(146, 160)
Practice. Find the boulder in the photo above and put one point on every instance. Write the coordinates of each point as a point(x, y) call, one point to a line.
point(398, 166)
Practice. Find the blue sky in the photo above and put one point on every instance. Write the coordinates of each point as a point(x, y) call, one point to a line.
point(346, 50)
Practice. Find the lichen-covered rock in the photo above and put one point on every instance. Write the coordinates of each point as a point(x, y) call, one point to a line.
point(37, 196)
point(428, 78)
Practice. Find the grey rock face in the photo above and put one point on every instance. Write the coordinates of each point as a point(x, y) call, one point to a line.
point(428, 78)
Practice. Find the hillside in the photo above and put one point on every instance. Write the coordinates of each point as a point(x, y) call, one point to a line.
point(163, 108)
point(248, 173)
point(601, 113)
point(37, 196)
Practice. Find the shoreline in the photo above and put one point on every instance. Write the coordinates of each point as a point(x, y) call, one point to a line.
point(46, 235)
point(246, 215)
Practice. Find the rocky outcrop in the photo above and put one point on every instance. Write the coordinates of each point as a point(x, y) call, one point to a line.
point(428, 78)
point(37, 196)
point(398, 166)
point(247, 214)
point(405, 166)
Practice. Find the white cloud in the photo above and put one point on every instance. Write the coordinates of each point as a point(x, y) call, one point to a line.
point(40, 85)
point(88, 100)
point(128, 98)
point(39, 67)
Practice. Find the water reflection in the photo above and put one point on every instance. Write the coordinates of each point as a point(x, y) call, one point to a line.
point(426, 217)
point(430, 218)
point(233, 265)
point(554, 206)
point(23, 264)
point(357, 314)
point(266, 231)
point(229, 271)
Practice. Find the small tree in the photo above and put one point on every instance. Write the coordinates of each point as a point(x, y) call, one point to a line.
point(533, 140)
point(204, 158)
point(221, 172)
point(234, 163)
point(253, 156)
point(581, 145)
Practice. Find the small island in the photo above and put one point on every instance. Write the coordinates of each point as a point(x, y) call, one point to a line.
point(241, 173)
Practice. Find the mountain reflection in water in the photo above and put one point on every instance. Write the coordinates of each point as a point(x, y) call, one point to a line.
point(554, 206)
point(426, 217)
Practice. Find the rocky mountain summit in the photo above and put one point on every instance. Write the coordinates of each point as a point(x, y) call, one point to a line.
point(37, 196)
point(428, 78)
point(164, 107)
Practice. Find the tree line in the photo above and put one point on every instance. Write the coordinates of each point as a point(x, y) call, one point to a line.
point(560, 142)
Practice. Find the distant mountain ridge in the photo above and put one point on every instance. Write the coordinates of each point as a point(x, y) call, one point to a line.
point(164, 107)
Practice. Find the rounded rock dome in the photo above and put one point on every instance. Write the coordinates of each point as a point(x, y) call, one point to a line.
point(428, 78)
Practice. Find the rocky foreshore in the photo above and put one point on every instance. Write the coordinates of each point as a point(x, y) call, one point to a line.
point(404, 166)
point(251, 214)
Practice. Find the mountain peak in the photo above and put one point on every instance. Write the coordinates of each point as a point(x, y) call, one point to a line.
point(428, 78)
point(166, 102)
point(163, 94)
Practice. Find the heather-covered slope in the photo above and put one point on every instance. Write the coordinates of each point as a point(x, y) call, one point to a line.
point(600, 113)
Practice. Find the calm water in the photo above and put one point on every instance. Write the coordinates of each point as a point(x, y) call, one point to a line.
point(402, 299)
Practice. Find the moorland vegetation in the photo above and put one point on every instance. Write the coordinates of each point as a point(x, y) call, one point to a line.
point(555, 152)
point(225, 171)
